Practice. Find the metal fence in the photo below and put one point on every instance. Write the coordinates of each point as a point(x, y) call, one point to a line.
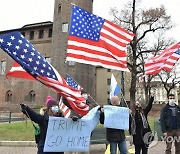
point(8, 116)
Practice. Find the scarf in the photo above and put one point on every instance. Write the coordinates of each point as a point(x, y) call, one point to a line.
point(133, 123)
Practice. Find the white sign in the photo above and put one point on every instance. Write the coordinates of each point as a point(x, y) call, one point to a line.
point(116, 117)
point(93, 116)
point(64, 134)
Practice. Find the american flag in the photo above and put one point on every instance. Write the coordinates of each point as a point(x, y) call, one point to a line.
point(64, 108)
point(18, 72)
point(25, 54)
point(96, 41)
point(165, 61)
point(71, 82)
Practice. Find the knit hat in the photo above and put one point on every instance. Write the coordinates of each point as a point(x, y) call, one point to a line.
point(48, 98)
point(50, 103)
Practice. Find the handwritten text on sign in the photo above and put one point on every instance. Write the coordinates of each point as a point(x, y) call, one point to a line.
point(64, 134)
point(116, 117)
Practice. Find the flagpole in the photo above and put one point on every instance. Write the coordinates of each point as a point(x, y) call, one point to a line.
point(122, 82)
point(122, 90)
point(93, 100)
point(124, 99)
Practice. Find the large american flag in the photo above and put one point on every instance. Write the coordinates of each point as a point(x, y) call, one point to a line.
point(96, 41)
point(25, 54)
point(165, 61)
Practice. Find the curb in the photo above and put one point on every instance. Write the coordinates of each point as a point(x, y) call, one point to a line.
point(18, 143)
point(30, 143)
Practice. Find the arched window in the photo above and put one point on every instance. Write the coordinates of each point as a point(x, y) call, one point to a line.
point(59, 8)
point(8, 96)
point(32, 96)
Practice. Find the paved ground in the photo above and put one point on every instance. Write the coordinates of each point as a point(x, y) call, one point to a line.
point(157, 148)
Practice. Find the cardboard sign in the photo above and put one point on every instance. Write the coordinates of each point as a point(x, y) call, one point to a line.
point(64, 134)
point(116, 117)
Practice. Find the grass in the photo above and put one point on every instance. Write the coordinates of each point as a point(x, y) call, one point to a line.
point(18, 131)
point(24, 131)
point(151, 122)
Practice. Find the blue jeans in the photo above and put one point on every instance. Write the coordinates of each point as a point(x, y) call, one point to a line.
point(122, 147)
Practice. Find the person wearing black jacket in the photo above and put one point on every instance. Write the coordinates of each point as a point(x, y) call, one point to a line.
point(114, 136)
point(42, 120)
point(170, 124)
point(139, 127)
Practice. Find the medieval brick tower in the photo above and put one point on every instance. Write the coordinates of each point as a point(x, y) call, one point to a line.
point(82, 73)
point(50, 39)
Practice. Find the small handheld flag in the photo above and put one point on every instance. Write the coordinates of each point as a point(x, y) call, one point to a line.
point(114, 87)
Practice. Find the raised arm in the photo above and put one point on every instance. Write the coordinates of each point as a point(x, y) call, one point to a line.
point(36, 117)
point(149, 106)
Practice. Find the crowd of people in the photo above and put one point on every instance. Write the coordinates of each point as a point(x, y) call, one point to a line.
point(138, 124)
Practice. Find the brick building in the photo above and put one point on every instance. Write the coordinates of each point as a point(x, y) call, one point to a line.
point(15, 90)
point(50, 39)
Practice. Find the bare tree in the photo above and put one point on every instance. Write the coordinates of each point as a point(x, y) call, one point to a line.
point(169, 79)
point(141, 22)
point(161, 44)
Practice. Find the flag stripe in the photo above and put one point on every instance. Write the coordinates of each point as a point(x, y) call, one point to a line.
point(95, 55)
point(97, 59)
point(91, 45)
point(126, 34)
point(92, 53)
point(64, 108)
point(109, 31)
point(18, 72)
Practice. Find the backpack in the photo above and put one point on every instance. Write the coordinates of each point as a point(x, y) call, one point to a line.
point(36, 133)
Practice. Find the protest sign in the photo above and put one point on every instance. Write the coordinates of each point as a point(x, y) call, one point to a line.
point(116, 117)
point(93, 116)
point(64, 134)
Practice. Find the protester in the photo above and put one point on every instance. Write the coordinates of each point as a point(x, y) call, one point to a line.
point(42, 120)
point(170, 124)
point(139, 126)
point(114, 136)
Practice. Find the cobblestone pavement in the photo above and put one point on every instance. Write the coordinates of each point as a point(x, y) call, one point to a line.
point(158, 148)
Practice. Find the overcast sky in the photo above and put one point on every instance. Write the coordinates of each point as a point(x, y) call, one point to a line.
point(17, 13)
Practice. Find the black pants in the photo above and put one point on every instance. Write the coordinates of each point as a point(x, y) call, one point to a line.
point(140, 147)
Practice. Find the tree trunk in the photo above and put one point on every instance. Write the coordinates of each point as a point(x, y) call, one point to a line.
point(132, 88)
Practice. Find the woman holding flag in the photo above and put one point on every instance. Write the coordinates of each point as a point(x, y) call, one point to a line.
point(42, 120)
